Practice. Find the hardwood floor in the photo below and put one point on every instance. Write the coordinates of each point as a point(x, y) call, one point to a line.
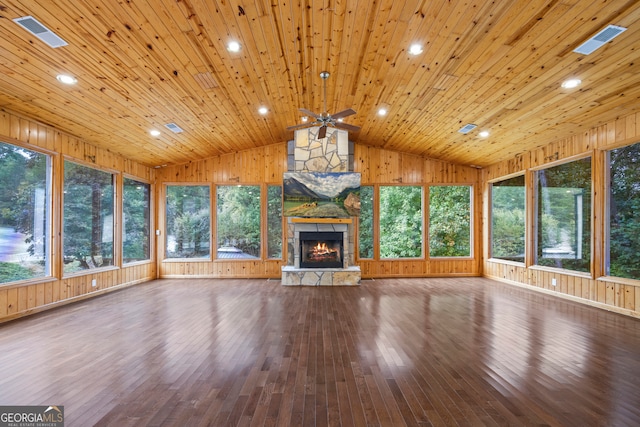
point(415, 352)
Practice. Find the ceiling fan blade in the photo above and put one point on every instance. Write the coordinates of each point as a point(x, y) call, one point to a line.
point(309, 113)
point(304, 125)
point(343, 113)
point(322, 132)
point(348, 127)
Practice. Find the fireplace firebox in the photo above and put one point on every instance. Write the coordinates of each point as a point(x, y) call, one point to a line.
point(321, 250)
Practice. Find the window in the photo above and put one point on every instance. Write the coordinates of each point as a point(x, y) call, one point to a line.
point(87, 218)
point(188, 233)
point(624, 212)
point(365, 223)
point(238, 221)
point(508, 219)
point(274, 222)
point(400, 222)
point(136, 207)
point(24, 214)
point(450, 221)
point(563, 220)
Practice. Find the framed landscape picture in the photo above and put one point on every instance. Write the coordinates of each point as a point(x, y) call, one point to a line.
point(321, 194)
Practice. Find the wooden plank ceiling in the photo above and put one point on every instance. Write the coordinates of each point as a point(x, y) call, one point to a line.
point(141, 64)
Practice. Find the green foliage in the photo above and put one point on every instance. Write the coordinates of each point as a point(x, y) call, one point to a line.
point(136, 228)
point(88, 216)
point(365, 223)
point(10, 272)
point(400, 222)
point(449, 221)
point(624, 212)
point(238, 222)
point(508, 219)
point(508, 234)
point(188, 221)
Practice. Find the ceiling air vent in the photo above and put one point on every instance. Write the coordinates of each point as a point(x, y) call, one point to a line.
point(603, 37)
point(467, 128)
point(174, 128)
point(32, 25)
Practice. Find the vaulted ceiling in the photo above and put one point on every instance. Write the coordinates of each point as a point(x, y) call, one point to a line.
point(141, 64)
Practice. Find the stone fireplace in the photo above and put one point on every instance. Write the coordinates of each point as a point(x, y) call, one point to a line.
point(320, 250)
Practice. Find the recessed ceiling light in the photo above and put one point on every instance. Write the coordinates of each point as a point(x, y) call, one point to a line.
point(484, 134)
point(571, 83)
point(66, 79)
point(415, 49)
point(233, 46)
point(263, 110)
point(154, 132)
point(382, 112)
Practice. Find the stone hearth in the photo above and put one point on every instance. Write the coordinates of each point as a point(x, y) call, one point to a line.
point(293, 275)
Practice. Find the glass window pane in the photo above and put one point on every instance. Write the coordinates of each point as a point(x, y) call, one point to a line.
point(238, 222)
point(365, 223)
point(564, 216)
point(24, 214)
point(274, 221)
point(624, 212)
point(450, 221)
point(136, 206)
point(400, 222)
point(87, 217)
point(508, 219)
point(188, 233)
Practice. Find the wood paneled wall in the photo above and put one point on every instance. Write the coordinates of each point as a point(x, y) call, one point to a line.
point(22, 298)
point(265, 165)
point(621, 295)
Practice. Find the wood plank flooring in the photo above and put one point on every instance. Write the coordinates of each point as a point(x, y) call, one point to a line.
point(414, 352)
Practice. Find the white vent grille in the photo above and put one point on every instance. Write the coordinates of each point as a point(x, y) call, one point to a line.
point(174, 128)
point(32, 25)
point(603, 37)
point(467, 128)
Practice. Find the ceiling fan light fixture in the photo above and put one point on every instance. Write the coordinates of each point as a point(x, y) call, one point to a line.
point(304, 119)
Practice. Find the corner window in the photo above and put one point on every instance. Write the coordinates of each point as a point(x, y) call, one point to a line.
point(400, 221)
point(136, 229)
point(450, 221)
point(188, 233)
point(623, 239)
point(24, 214)
point(508, 219)
point(564, 216)
point(238, 221)
point(87, 218)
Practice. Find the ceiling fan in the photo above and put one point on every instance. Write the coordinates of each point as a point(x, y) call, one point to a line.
point(325, 119)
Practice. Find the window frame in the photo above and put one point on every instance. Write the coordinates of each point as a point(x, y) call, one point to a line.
point(52, 269)
point(116, 179)
point(162, 257)
point(471, 222)
point(152, 244)
point(533, 263)
point(527, 217)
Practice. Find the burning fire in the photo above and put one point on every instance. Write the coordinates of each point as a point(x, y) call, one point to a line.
point(322, 249)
